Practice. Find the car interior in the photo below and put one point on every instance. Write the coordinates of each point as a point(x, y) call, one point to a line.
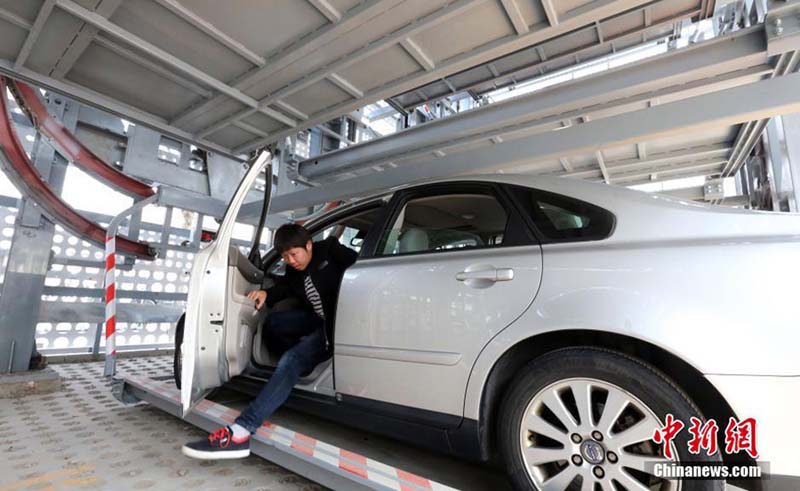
point(433, 223)
point(350, 232)
point(454, 221)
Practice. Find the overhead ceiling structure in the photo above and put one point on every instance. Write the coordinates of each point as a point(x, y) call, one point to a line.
point(234, 76)
point(231, 76)
point(695, 111)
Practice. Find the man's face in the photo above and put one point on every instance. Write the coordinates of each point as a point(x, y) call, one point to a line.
point(298, 257)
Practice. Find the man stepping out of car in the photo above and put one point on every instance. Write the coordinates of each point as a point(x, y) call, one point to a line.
point(303, 336)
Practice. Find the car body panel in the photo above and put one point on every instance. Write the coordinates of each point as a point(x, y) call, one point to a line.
point(688, 300)
point(408, 332)
point(773, 402)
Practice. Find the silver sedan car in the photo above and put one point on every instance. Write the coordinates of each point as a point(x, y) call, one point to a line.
point(559, 327)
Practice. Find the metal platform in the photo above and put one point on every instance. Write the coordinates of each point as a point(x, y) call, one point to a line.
point(332, 466)
point(81, 438)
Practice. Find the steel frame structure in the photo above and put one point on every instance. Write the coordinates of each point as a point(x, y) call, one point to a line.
point(234, 102)
point(737, 105)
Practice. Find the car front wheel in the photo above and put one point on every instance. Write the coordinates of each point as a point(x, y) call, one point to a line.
point(584, 418)
point(177, 357)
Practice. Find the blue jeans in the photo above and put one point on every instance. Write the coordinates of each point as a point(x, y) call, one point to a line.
point(299, 335)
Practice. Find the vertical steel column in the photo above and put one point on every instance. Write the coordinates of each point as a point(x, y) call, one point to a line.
point(166, 230)
point(197, 233)
point(29, 256)
point(776, 150)
point(791, 136)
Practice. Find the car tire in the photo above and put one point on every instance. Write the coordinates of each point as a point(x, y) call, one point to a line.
point(177, 355)
point(612, 379)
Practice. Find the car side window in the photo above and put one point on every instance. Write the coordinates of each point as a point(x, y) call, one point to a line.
point(561, 218)
point(446, 222)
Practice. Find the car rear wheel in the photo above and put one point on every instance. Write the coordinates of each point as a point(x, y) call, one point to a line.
point(583, 419)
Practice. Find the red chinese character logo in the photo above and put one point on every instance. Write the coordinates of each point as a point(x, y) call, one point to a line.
point(741, 437)
point(704, 437)
point(668, 433)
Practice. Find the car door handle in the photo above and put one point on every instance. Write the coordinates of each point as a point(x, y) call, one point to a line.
point(497, 274)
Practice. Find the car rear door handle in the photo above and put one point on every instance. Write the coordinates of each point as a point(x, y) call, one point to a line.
point(493, 275)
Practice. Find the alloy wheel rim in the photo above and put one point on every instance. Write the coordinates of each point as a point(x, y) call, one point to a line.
point(588, 434)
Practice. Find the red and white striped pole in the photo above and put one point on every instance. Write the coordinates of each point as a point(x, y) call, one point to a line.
point(111, 285)
point(111, 305)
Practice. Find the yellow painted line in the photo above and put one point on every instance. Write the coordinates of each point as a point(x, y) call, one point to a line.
point(79, 481)
point(44, 478)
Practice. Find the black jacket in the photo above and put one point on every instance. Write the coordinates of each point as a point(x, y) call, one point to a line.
point(329, 260)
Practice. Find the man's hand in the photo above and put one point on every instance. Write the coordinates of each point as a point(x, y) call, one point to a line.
point(260, 296)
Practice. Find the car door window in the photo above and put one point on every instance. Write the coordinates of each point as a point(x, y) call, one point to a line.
point(446, 222)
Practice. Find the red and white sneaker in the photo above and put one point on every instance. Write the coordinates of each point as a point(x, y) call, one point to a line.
point(219, 445)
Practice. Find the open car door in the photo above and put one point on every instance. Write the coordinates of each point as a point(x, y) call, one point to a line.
point(220, 320)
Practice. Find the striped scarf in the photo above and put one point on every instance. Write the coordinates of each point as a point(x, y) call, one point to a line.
point(313, 296)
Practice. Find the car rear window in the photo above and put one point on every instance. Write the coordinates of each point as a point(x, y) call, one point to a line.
point(560, 218)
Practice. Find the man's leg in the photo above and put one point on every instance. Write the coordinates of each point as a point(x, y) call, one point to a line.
point(301, 358)
point(284, 329)
point(226, 442)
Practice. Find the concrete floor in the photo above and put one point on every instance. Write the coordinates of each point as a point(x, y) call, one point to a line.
point(83, 438)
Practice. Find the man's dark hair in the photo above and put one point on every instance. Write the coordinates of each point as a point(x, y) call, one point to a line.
point(290, 235)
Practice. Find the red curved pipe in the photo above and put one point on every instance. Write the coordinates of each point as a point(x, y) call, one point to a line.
point(24, 175)
point(73, 149)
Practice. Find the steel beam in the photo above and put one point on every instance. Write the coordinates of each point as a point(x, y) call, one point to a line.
point(550, 12)
point(325, 8)
point(14, 19)
point(417, 53)
point(81, 39)
point(95, 312)
point(688, 194)
point(144, 62)
point(489, 51)
point(288, 55)
point(689, 155)
point(345, 85)
point(212, 31)
point(753, 101)
point(100, 101)
point(128, 37)
point(33, 33)
point(677, 68)
point(601, 162)
point(591, 51)
point(751, 131)
point(641, 150)
point(251, 129)
point(791, 132)
point(664, 173)
point(329, 71)
point(291, 110)
point(515, 16)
